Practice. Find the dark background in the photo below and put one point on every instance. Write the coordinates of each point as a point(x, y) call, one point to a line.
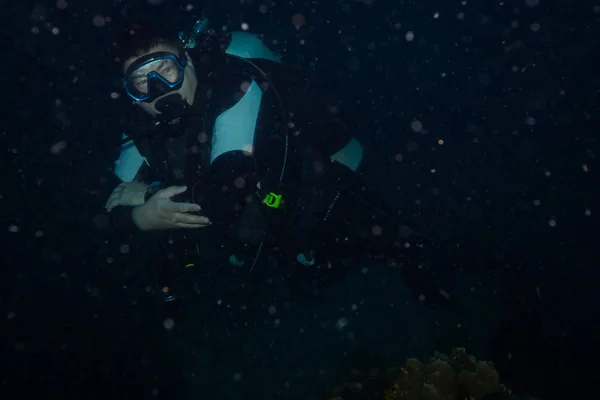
point(515, 104)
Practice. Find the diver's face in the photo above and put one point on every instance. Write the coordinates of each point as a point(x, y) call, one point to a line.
point(187, 91)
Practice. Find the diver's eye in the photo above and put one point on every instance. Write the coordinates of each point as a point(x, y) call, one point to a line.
point(141, 84)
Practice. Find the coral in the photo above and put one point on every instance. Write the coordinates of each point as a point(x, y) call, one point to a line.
point(483, 381)
point(457, 376)
point(453, 377)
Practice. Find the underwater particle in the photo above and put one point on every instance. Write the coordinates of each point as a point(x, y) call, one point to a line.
point(532, 3)
point(319, 167)
point(114, 95)
point(436, 15)
point(248, 150)
point(416, 125)
point(189, 7)
point(409, 36)
point(169, 323)
point(535, 27)
point(353, 64)
point(484, 79)
point(552, 222)
point(264, 86)
point(244, 86)
point(13, 229)
point(58, 147)
point(237, 376)
point(39, 13)
point(101, 221)
point(272, 310)
point(529, 120)
point(99, 21)
point(398, 157)
point(411, 145)
point(404, 231)
point(55, 31)
point(245, 26)
point(239, 182)
point(537, 202)
point(298, 20)
point(124, 248)
point(202, 137)
point(61, 4)
point(341, 323)
point(376, 230)
point(11, 315)
point(588, 212)
point(585, 168)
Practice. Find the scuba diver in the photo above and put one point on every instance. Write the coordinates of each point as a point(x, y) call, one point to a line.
point(228, 150)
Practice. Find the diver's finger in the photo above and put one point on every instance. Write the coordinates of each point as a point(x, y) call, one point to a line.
point(190, 226)
point(113, 196)
point(189, 207)
point(171, 191)
point(191, 218)
point(184, 207)
point(118, 189)
point(110, 204)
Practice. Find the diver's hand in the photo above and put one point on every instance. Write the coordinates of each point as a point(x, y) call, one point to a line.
point(129, 194)
point(160, 212)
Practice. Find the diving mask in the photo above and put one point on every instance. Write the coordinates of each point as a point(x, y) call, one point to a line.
point(154, 75)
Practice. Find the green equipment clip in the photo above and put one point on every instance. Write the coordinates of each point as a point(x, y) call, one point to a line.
point(272, 200)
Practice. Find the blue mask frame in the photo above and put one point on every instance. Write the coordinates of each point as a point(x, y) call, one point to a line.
point(157, 84)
